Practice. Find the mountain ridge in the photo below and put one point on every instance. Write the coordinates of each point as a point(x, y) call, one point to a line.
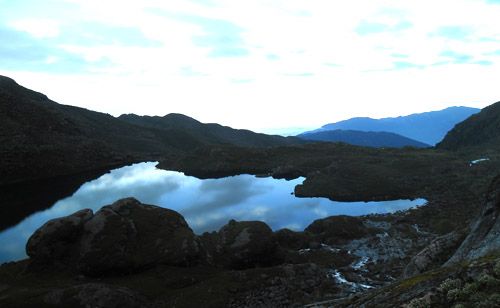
point(480, 130)
point(210, 132)
point(427, 127)
point(361, 138)
point(41, 138)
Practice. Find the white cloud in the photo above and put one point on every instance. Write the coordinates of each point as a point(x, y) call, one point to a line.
point(39, 28)
point(276, 72)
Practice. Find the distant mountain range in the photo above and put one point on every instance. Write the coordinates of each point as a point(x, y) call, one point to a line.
point(427, 127)
point(481, 130)
point(369, 139)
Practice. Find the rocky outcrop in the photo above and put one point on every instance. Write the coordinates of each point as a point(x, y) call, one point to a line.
point(243, 244)
point(121, 237)
point(337, 229)
point(484, 237)
point(432, 254)
point(53, 240)
point(128, 236)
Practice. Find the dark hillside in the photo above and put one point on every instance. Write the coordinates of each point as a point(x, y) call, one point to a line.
point(367, 139)
point(209, 132)
point(41, 139)
point(480, 130)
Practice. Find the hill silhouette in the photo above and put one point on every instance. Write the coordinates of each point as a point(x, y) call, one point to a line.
point(360, 138)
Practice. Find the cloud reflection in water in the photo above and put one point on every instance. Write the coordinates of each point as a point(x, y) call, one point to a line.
point(206, 204)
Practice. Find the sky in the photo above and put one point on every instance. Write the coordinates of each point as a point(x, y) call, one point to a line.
point(272, 66)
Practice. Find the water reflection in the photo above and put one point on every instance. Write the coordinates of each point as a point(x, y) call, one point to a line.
point(206, 204)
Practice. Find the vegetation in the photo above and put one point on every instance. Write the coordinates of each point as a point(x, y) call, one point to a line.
point(480, 131)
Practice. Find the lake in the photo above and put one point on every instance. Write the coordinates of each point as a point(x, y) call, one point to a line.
point(205, 204)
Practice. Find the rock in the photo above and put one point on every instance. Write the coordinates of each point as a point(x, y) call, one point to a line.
point(432, 254)
point(337, 229)
point(246, 244)
point(56, 238)
point(292, 240)
point(123, 237)
point(484, 237)
point(128, 235)
point(96, 295)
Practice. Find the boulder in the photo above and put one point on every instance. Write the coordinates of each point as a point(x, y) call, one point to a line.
point(292, 240)
point(122, 237)
point(337, 229)
point(56, 239)
point(128, 235)
point(246, 244)
point(433, 254)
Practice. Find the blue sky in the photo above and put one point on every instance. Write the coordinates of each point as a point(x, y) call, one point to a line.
point(262, 65)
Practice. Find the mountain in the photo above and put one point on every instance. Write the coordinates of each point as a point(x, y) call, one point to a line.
point(40, 138)
point(369, 139)
point(480, 130)
point(427, 127)
point(211, 133)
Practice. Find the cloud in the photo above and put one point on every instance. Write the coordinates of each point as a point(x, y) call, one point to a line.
point(222, 37)
point(44, 45)
point(367, 27)
point(304, 74)
point(186, 52)
point(25, 52)
point(400, 55)
point(272, 57)
point(405, 65)
point(493, 53)
point(209, 3)
point(457, 57)
point(99, 34)
point(223, 193)
point(189, 71)
point(484, 62)
point(454, 32)
point(38, 28)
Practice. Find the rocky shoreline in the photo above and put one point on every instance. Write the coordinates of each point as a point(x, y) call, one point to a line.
point(104, 258)
point(332, 258)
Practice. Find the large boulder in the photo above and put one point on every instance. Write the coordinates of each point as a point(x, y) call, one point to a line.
point(122, 237)
point(245, 244)
point(56, 238)
point(128, 235)
point(434, 254)
point(337, 229)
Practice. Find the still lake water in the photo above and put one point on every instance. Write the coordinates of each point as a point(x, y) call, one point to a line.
point(206, 205)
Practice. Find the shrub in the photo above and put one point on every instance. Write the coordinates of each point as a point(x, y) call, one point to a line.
point(470, 288)
point(454, 295)
point(450, 284)
point(419, 303)
point(496, 269)
point(486, 280)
